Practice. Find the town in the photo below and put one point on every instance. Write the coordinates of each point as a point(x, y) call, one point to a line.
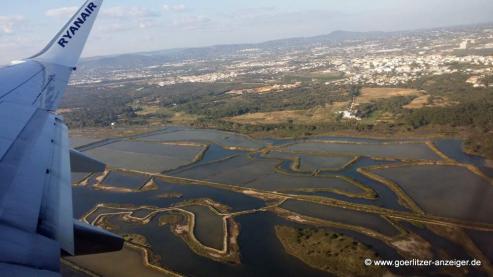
point(382, 59)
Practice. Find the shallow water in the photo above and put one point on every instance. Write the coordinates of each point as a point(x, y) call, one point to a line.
point(408, 151)
point(310, 163)
point(260, 174)
point(126, 180)
point(209, 227)
point(207, 136)
point(78, 141)
point(141, 213)
point(86, 198)
point(440, 244)
point(261, 252)
point(453, 149)
point(484, 241)
point(264, 257)
point(151, 157)
point(213, 153)
point(386, 198)
point(77, 177)
point(340, 215)
point(447, 191)
point(100, 210)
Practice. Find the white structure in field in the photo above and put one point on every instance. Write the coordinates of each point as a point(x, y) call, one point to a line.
point(476, 81)
point(349, 115)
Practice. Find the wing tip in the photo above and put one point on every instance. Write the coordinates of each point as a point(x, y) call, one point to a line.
point(67, 45)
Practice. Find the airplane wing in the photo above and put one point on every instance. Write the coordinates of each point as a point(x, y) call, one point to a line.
point(36, 220)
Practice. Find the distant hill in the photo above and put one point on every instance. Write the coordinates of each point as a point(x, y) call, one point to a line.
point(180, 54)
point(334, 37)
point(143, 59)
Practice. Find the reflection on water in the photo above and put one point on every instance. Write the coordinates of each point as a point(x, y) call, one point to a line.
point(335, 214)
point(453, 149)
point(86, 198)
point(442, 245)
point(484, 241)
point(385, 197)
point(124, 180)
point(406, 151)
point(207, 136)
point(261, 252)
point(209, 227)
point(462, 194)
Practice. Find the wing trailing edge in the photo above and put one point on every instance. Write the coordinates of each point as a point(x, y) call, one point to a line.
point(94, 240)
point(80, 162)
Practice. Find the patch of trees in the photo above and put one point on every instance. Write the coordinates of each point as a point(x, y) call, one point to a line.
point(472, 114)
point(216, 106)
point(96, 107)
point(391, 105)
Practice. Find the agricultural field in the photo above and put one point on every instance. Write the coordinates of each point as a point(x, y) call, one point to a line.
point(368, 95)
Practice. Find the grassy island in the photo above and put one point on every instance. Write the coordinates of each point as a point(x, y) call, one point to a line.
point(328, 251)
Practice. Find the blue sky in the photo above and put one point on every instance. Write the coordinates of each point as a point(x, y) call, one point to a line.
point(132, 26)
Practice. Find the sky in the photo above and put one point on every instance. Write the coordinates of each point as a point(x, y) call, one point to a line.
point(126, 26)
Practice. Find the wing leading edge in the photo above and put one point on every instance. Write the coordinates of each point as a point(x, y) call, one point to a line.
point(36, 219)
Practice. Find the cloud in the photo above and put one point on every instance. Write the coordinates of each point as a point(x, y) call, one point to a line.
point(133, 12)
point(192, 22)
point(104, 29)
point(63, 12)
point(147, 23)
point(253, 12)
point(7, 23)
point(175, 8)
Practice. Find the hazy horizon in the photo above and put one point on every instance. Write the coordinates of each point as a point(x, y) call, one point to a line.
point(143, 26)
point(286, 38)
